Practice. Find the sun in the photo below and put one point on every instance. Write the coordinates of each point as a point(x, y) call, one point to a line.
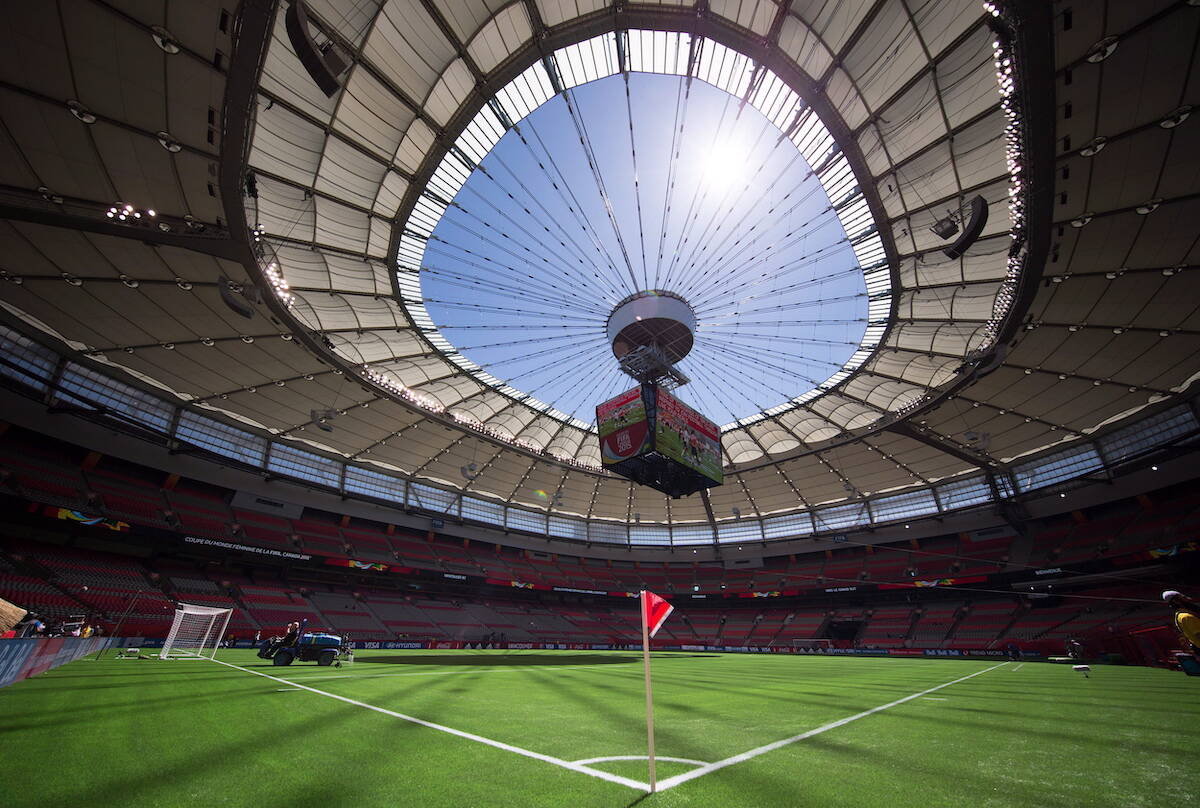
point(726, 164)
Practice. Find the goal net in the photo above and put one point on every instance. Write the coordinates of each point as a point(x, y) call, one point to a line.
point(813, 644)
point(196, 632)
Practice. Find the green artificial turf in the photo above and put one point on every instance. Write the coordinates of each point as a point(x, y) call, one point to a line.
point(165, 733)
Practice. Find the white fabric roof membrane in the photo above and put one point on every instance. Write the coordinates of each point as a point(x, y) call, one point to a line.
point(910, 89)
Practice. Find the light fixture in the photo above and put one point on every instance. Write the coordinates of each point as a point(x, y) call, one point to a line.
point(1081, 220)
point(168, 142)
point(208, 341)
point(163, 38)
point(1102, 49)
point(132, 283)
point(1154, 468)
point(1093, 147)
point(1176, 117)
point(1149, 206)
point(81, 112)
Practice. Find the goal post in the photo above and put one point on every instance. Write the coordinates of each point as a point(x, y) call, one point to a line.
point(816, 644)
point(196, 632)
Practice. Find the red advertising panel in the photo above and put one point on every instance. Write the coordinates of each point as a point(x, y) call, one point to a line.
point(624, 429)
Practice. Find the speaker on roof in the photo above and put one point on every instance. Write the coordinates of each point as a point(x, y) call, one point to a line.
point(322, 61)
point(971, 230)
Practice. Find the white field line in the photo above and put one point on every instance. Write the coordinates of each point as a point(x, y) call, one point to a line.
point(671, 782)
point(641, 757)
point(470, 736)
point(1019, 664)
point(506, 669)
point(933, 698)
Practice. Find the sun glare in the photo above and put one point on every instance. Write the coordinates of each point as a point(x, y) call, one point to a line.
point(726, 165)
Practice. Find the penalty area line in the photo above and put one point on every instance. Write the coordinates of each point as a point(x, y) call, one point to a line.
point(470, 736)
point(671, 782)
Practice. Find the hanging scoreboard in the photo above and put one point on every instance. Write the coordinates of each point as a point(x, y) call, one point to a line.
point(649, 436)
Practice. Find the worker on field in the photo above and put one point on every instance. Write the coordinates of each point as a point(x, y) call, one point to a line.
point(291, 634)
point(1187, 617)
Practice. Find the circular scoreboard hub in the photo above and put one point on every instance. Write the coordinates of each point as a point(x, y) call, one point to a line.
point(654, 318)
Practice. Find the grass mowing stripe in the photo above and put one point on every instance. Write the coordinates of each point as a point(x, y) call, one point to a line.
point(470, 736)
point(671, 782)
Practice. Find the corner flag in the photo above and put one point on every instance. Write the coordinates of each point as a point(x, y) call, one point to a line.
point(655, 612)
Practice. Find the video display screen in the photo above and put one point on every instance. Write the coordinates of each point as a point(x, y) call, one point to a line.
point(623, 425)
point(687, 437)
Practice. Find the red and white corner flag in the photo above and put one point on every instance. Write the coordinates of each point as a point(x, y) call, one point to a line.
point(655, 612)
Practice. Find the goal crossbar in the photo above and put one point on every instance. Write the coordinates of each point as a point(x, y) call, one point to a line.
point(196, 632)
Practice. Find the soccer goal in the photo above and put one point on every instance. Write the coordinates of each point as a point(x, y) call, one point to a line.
point(813, 645)
point(196, 632)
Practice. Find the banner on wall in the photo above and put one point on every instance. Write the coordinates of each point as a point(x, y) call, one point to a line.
point(87, 519)
point(20, 659)
point(246, 548)
point(374, 566)
point(922, 584)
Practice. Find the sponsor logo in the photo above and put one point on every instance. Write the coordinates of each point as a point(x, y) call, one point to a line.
point(580, 591)
point(1051, 571)
point(520, 646)
point(454, 576)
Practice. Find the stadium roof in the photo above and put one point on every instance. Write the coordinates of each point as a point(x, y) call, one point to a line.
point(1076, 307)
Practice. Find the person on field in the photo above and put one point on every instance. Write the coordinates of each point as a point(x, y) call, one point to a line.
point(291, 634)
point(1187, 618)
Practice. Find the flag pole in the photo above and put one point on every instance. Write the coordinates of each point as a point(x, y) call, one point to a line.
point(649, 695)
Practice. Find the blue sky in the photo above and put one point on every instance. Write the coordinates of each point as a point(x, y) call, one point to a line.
point(704, 199)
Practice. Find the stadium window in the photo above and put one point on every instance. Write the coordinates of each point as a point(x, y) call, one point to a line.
point(221, 439)
point(1147, 434)
point(529, 521)
point(430, 498)
point(691, 534)
point(901, 506)
point(482, 510)
point(841, 516)
point(1054, 468)
point(374, 484)
point(649, 534)
point(783, 527)
point(86, 387)
point(608, 532)
point(964, 493)
point(24, 360)
point(563, 528)
point(302, 465)
point(739, 530)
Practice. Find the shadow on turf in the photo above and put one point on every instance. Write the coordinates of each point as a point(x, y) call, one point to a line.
point(503, 660)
